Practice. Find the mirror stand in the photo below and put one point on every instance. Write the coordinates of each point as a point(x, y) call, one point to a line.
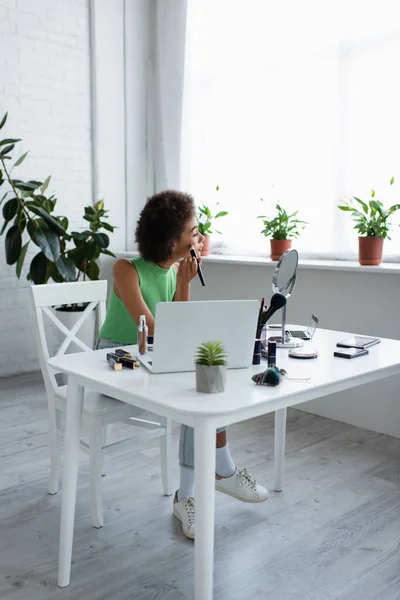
point(283, 341)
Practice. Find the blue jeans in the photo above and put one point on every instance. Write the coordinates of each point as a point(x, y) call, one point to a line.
point(186, 440)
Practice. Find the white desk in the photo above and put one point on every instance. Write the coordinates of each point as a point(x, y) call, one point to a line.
point(174, 396)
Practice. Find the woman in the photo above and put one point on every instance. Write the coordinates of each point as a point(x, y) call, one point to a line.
point(166, 231)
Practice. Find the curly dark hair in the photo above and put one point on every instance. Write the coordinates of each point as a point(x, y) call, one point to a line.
point(162, 220)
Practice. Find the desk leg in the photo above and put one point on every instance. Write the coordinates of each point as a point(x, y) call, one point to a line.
point(204, 460)
point(280, 442)
point(70, 478)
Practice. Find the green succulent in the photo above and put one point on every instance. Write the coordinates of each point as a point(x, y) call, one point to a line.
point(211, 354)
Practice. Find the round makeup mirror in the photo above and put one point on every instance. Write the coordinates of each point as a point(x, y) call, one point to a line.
point(284, 277)
point(283, 282)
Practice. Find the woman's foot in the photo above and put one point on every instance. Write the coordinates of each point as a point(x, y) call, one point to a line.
point(243, 486)
point(184, 510)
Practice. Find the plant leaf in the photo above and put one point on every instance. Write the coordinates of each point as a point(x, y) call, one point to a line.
point(6, 150)
point(47, 240)
point(38, 268)
point(45, 184)
point(10, 209)
point(9, 141)
point(107, 226)
point(92, 270)
point(51, 221)
point(21, 258)
point(21, 159)
point(28, 186)
point(393, 209)
point(392, 181)
point(13, 244)
point(99, 205)
point(102, 240)
point(108, 253)
point(66, 268)
point(3, 121)
point(363, 204)
point(222, 213)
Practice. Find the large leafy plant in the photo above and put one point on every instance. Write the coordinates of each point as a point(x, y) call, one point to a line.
point(371, 218)
point(282, 226)
point(28, 217)
point(211, 354)
point(206, 218)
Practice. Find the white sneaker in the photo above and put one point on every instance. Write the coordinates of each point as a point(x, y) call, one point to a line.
point(185, 512)
point(243, 486)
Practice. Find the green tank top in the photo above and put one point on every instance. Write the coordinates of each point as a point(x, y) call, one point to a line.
point(156, 284)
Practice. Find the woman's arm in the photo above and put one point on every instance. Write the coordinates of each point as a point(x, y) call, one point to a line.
point(126, 286)
point(187, 270)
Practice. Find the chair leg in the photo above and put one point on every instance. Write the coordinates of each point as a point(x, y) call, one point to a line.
point(96, 463)
point(55, 453)
point(165, 452)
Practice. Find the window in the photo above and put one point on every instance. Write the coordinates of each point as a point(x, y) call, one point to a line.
point(292, 102)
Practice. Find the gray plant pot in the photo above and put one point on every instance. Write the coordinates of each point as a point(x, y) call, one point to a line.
point(210, 379)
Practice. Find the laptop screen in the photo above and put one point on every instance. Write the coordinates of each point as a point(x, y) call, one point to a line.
point(312, 326)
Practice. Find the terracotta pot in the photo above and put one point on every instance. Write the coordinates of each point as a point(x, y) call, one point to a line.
point(370, 250)
point(278, 247)
point(206, 247)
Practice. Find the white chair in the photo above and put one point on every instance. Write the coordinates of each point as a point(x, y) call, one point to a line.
point(98, 410)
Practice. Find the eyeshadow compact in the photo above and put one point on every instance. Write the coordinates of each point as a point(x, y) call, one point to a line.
point(303, 352)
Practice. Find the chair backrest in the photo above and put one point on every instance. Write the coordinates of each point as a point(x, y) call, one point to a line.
point(47, 296)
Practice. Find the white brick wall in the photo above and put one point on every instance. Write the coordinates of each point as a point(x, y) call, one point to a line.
point(45, 87)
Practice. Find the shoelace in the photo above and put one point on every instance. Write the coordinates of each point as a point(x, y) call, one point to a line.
point(189, 507)
point(247, 479)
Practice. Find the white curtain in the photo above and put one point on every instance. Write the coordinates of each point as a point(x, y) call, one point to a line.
point(296, 102)
point(166, 94)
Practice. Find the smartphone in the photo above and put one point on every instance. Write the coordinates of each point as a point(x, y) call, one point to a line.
point(358, 341)
point(350, 353)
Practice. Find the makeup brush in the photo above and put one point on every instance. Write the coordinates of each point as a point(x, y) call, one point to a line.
point(277, 301)
point(260, 312)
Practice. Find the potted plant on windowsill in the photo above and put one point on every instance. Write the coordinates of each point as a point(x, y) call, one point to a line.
point(206, 224)
point(211, 367)
point(372, 225)
point(281, 229)
point(29, 220)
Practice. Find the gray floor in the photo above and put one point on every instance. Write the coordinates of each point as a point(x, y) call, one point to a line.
point(333, 533)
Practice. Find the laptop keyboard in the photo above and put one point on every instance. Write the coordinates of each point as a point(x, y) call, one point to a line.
point(298, 334)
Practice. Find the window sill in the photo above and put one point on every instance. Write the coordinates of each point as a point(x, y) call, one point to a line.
point(318, 265)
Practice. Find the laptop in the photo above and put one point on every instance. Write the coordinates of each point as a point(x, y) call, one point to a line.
point(180, 328)
point(309, 333)
point(301, 334)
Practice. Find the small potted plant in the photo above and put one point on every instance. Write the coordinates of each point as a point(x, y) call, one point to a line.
point(372, 225)
point(205, 221)
point(211, 367)
point(281, 229)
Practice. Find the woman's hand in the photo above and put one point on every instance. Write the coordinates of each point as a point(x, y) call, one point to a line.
point(187, 271)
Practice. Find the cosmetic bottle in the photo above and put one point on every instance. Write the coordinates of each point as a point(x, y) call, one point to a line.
point(257, 353)
point(142, 335)
point(272, 354)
